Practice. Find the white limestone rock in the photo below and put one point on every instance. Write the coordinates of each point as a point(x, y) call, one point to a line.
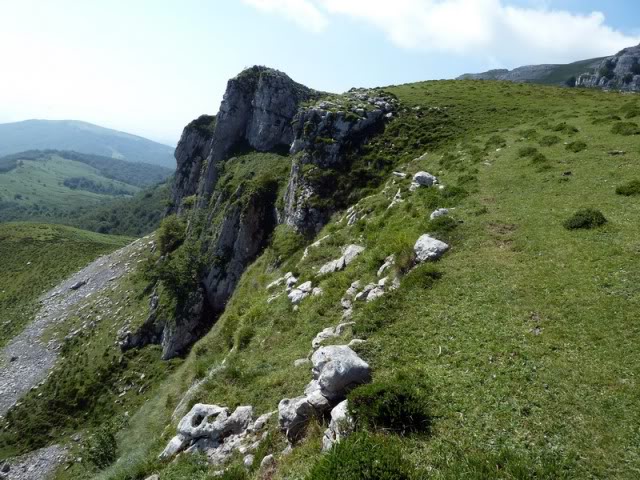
point(428, 248)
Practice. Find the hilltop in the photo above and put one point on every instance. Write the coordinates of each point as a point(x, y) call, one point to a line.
point(82, 137)
point(457, 260)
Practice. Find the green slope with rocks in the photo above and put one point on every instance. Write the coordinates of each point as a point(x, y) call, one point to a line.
point(450, 233)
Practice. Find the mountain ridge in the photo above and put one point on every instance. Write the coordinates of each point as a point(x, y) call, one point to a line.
point(83, 137)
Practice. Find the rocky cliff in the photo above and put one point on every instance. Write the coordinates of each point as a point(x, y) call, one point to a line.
point(620, 72)
point(233, 203)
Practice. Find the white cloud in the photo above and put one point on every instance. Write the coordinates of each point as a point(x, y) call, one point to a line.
point(302, 12)
point(484, 28)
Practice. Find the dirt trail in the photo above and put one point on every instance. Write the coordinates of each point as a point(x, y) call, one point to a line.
point(26, 360)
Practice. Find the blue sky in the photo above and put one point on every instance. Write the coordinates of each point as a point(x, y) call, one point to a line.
point(150, 66)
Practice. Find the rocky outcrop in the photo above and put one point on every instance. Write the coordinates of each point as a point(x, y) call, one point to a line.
point(545, 74)
point(256, 111)
point(191, 152)
point(324, 134)
point(620, 72)
point(336, 371)
point(262, 110)
point(212, 430)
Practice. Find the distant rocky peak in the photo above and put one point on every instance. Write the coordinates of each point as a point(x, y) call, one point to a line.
point(619, 72)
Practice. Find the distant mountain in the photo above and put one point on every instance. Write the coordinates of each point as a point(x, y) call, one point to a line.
point(82, 137)
point(54, 186)
point(547, 74)
point(619, 72)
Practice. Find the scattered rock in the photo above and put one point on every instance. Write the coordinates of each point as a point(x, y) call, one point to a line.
point(423, 179)
point(338, 369)
point(330, 332)
point(267, 462)
point(300, 362)
point(349, 253)
point(388, 263)
point(153, 477)
point(340, 427)
point(293, 414)
point(210, 429)
point(77, 285)
point(399, 174)
point(440, 212)
point(428, 248)
point(248, 461)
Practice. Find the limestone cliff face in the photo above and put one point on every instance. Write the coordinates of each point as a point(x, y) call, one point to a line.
point(620, 72)
point(191, 153)
point(256, 111)
point(262, 110)
point(324, 134)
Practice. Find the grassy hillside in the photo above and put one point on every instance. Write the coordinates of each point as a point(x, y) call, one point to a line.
point(35, 257)
point(82, 137)
point(522, 341)
point(51, 186)
point(135, 216)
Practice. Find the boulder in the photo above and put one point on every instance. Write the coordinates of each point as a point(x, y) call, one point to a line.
point(293, 414)
point(203, 421)
point(423, 179)
point(440, 212)
point(248, 460)
point(175, 445)
point(338, 369)
point(428, 248)
point(267, 462)
point(349, 253)
point(340, 426)
point(296, 295)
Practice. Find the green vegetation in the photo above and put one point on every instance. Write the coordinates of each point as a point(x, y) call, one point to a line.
point(81, 190)
point(398, 404)
point(585, 218)
point(135, 216)
point(576, 147)
point(82, 137)
point(525, 330)
point(35, 258)
point(625, 128)
point(363, 457)
point(630, 188)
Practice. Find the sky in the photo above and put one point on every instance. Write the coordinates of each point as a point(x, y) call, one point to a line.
point(148, 67)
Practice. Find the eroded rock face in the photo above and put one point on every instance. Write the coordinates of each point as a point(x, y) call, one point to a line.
point(210, 429)
point(191, 153)
point(323, 135)
point(257, 110)
point(620, 72)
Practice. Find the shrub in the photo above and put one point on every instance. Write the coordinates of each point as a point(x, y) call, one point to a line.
point(585, 218)
point(628, 78)
point(625, 128)
point(102, 447)
point(422, 277)
point(496, 141)
point(398, 405)
point(571, 82)
point(549, 140)
point(171, 234)
point(538, 158)
point(285, 241)
point(363, 457)
point(565, 128)
point(243, 336)
point(527, 151)
point(442, 225)
point(576, 147)
point(629, 188)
